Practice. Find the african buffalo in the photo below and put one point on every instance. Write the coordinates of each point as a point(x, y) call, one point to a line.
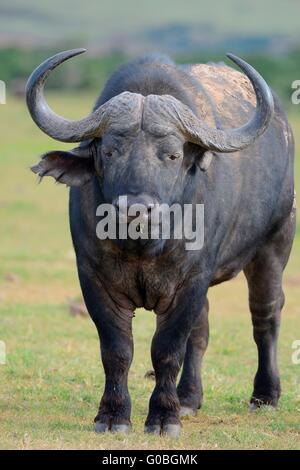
point(162, 133)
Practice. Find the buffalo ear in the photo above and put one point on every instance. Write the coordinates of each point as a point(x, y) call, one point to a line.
point(70, 168)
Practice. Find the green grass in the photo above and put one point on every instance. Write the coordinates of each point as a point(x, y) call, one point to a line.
point(52, 382)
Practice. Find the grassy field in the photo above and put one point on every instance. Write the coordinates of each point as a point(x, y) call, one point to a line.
point(51, 384)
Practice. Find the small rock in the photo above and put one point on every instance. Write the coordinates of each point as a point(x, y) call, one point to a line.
point(77, 308)
point(150, 374)
point(11, 277)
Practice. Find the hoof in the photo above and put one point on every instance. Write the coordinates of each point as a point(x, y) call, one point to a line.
point(171, 430)
point(263, 402)
point(253, 407)
point(263, 407)
point(186, 411)
point(121, 428)
point(152, 429)
point(101, 428)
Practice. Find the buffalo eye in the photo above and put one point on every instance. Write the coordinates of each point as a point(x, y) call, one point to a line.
point(173, 157)
point(107, 153)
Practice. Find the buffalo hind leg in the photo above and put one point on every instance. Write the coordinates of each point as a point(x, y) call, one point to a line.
point(189, 389)
point(266, 299)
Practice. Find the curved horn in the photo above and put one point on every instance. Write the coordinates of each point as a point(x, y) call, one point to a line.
point(52, 124)
point(232, 140)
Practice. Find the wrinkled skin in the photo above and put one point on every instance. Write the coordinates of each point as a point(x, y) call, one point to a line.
point(249, 225)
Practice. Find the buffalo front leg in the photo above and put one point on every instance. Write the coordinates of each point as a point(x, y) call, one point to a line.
point(266, 299)
point(115, 333)
point(167, 352)
point(189, 389)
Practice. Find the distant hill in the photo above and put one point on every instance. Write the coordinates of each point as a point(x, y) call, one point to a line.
point(134, 25)
point(264, 32)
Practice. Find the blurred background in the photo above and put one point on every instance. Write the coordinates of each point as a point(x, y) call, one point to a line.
point(50, 385)
point(265, 32)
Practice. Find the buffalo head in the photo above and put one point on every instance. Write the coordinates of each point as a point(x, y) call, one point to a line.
point(140, 146)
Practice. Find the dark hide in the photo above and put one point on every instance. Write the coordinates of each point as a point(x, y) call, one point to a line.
point(249, 225)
